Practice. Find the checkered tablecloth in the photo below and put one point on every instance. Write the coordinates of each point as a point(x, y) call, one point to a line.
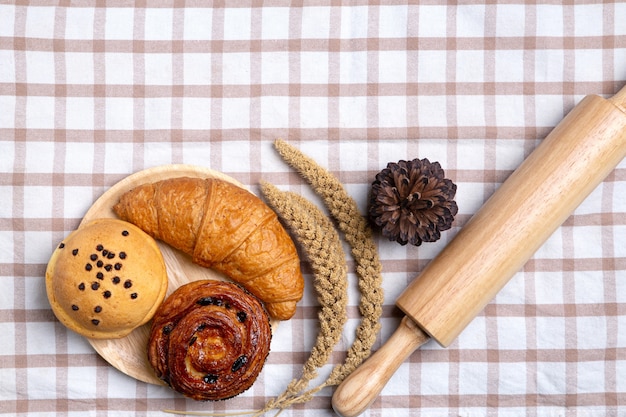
point(93, 91)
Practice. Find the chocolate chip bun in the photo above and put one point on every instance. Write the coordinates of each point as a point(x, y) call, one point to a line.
point(106, 279)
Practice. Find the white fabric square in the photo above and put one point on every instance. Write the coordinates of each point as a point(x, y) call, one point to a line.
point(587, 18)
point(510, 20)
point(235, 113)
point(432, 67)
point(619, 231)
point(508, 338)
point(509, 65)
point(434, 152)
point(549, 110)
point(7, 150)
point(119, 23)
point(508, 111)
point(354, 22)
point(199, 154)
point(34, 378)
point(82, 199)
point(552, 248)
point(197, 69)
point(158, 69)
point(79, 113)
point(467, 157)
point(37, 246)
point(589, 287)
point(549, 65)
point(353, 67)
point(472, 378)
point(39, 22)
point(34, 330)
point(433, 21)
point(119, 68)
point(353, 112)
point(7, 20)
point(274, 112)
point(512, 377)
point(79, 23)
point(236, 156)
point(591, 67)
point(314, 67)
point(120, 113)
point(236, 68)
point(275, 22)
point(591, 376)
point(591, 331)
point(549, 20)
point(509, 152)
point(157, 153)
point(314, 112)
point(470, 21)
point(551, 378)
point(84, 378)
point(197, 113)
point(39, 67)
point(7, 115)
point(470, 66)
point(159, 23)
point(40, 112)
point(120, 386)
point(315, 22)
point(158, 113)
point(118, 157)
point(43, 195)
point(237, 23)
point(79, 68)
point(392, 111)
point(589, 243)
point(275, 68)
point(548, 288)
point(470, 110)
point(392, 66)
point(551, 332)
point(469, 195)
point(7, 69)
point(84, 164)
point(7, 289)
point(198, 23)
point(439, 385)
point(474, 335)
point(358, 160)
point(7, 250)
point(620, 10)
point(393, 21)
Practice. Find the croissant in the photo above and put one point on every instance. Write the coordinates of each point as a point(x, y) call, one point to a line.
point(223, 227)
point(209, 340)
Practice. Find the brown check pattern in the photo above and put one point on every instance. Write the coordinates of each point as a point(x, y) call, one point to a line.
point(92, 91)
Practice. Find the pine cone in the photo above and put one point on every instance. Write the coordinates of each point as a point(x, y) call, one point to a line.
point(413, 202)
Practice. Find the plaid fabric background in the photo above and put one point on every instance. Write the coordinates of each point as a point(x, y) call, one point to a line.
point(93, 91)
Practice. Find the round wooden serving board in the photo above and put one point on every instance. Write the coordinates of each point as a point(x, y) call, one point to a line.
point(128, 354)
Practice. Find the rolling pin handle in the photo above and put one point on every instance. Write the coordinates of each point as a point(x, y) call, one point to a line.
point(359, 390)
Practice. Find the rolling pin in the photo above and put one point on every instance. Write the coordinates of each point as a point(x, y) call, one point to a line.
point(497, 241)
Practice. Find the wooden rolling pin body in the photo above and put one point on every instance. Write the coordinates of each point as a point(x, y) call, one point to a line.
point(500, 238)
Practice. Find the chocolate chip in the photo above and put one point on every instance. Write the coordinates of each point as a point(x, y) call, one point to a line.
point(167, 329)
point(97, 309)
point(110, 255)
point(122, 255)
point(95, 285)
point(99, 248)
point(241, 361)
point(95, 322)
point(99, 264)
point(118, 266)
point(105, 252)
point(125, 233)
point(81, 286)
point(116, 280)
point(106, 294)
point(74, 307)
point(75, 252)
point(108, 267)
point(61, 245)
point(133, 295)
point(100, 275)
point(210, 378)
point(93, 256)
point(88, 267)
point(128, 283)
point(242, 316)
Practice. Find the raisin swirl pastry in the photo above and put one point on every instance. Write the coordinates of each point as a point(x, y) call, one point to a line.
point(209, 340)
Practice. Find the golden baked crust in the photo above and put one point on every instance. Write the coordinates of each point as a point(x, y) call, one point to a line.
point(223, 227)
point(105, 279)
point(209, 340)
